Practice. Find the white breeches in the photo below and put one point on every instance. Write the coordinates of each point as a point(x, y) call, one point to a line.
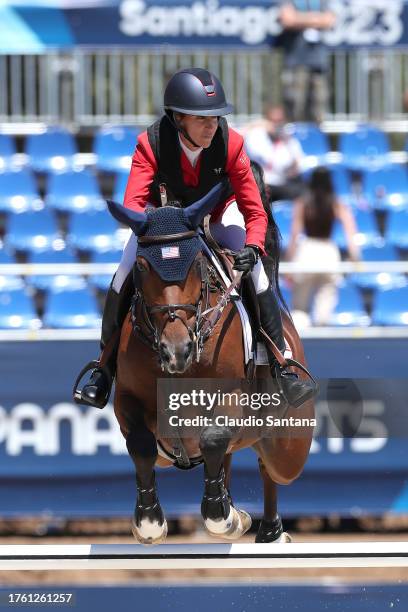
point(229, 232)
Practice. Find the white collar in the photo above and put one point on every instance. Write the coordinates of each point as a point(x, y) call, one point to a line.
point(192, 156)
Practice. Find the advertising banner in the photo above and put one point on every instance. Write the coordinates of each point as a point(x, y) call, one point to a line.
point(33, 26)
point(64, 459)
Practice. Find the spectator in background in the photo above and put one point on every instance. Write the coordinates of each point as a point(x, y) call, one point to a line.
point(310, 243)
point(306, 58)
point(279, 154)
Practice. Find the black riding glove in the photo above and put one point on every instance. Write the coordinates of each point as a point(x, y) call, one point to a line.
point(246, 258)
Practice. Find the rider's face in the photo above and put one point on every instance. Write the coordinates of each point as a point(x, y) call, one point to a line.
point(200, 129)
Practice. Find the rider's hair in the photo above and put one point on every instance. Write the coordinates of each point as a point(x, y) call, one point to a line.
point(320, 203)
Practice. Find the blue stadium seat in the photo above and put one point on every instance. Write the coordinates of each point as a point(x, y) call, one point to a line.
point(18, 192)
point(391, 307)
point(120, 186)
point(74, 192)
point(102, 281)
point(93, 231)
point(54, 282)
point(314, 143)
point(366, 147)
point(397, 229)
point(283, 211)
point(113, 147)
point(72, 309)
point(374, 280)
point(7, 152)
point(33, 231)
point(367, 230)
point(349, 310)
point(52, 151)
point(342, 182)
point(9, 282)
point(17, 311)
point(387, 188)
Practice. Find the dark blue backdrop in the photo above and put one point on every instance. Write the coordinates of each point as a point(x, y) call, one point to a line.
point(37, 25)
point(242, 597)
point(60, 458)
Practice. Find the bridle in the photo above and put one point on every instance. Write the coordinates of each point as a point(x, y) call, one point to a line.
point(200, 331)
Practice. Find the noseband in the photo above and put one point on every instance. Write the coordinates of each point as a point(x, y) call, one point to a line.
point(153, 335)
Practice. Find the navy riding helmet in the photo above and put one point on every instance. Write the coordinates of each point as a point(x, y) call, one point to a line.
point(195, 91)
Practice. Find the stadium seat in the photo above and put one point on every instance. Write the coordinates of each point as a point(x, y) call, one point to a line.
point(114, 147)
point(366, 147)
point(374, 280)
point(74, 192)
point(391, 307)
point(7, 152)
point(102, 281)
point(367, 231)
point(93, 231)
point(397, 229)
point(17, 311)
point(349, 310)
point(75, 308)
point(33, 231)
point(314, 143)
point(9, 282)
point(18, 192)
point(120, 186)
point(386, 188)
point(342, 183)
point(282, 212)
point(52, 151)
point(54, 282)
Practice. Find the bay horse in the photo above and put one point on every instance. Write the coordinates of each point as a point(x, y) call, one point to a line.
point(162, 336)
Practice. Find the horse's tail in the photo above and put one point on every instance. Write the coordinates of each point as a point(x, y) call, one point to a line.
point(273, 237)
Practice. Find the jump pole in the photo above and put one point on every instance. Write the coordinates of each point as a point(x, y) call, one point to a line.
point(203, 556)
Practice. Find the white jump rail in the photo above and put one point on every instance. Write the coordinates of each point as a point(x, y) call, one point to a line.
point(203, 556)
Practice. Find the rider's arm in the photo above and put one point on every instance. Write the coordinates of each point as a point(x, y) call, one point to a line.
point(141, 175)
point(246, 191)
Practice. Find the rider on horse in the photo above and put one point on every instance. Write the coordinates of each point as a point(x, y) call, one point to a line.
point(182, 156)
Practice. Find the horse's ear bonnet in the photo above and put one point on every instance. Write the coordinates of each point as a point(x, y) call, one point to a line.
point(136, 221)
point(171, 260)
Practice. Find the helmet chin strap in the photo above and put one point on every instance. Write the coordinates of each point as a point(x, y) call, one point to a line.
point(179, 128)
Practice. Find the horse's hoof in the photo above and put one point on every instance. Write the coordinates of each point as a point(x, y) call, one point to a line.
point(237, 523)
point(149, 533)
point(285, 538)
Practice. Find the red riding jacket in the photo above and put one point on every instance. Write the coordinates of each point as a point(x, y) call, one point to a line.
point(246, 193)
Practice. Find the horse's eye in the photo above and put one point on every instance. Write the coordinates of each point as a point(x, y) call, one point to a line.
point(140, 266)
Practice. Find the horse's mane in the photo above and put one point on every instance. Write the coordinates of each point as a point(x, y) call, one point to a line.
point(273, 237)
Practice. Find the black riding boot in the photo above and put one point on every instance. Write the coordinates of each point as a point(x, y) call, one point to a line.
point(295, 390)
point(97, 390)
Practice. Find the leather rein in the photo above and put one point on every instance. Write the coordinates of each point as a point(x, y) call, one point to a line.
point(206, 316)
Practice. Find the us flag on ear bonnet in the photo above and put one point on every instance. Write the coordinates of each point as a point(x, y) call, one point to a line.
point(171, 260)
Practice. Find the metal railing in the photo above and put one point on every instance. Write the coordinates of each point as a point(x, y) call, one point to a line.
point(124, 85)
